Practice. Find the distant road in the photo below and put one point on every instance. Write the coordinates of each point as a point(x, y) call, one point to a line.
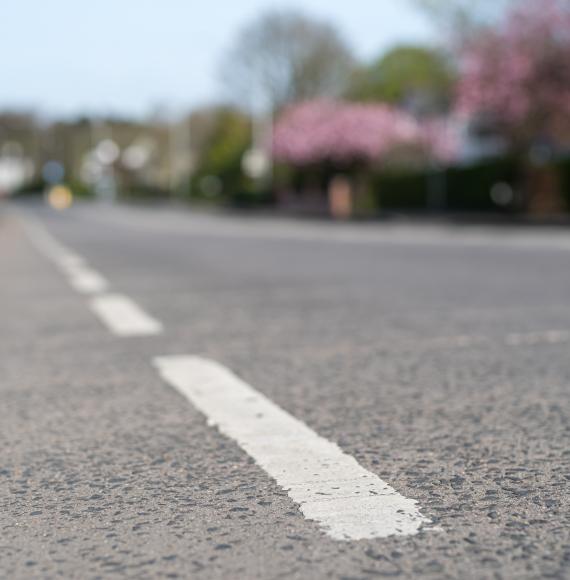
point(212, 396)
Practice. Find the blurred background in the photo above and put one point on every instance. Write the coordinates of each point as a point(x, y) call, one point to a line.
point(345, 109)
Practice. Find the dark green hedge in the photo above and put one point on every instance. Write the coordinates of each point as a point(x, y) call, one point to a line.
point(144, 193)
point(469, 188)
point(454, 189)
point(563, 167)
point(36, 187)
point(252, 199)
point(401, 191)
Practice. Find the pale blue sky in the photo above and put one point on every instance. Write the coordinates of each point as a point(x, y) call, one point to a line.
point(130, 56)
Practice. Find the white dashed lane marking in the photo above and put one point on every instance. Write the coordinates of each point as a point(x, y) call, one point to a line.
point(533, 338)
point(330, 487)
point(121, 315)
point(80, 276)
point(88, 281)
point(124, 317)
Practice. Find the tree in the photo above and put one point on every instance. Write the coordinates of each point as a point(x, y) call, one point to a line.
point(225, 136)
point(413, 76)
point(284, 57)
point(519, 73)
point(459, 19)
point(344, 133)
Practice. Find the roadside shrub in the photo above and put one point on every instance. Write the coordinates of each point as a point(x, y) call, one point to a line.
point(80, 190)
point(252, 199)
point(563, 167)
point(463, 188)
point(144, 193)
point(469, 188)
point(401, 191)
point(35, 187)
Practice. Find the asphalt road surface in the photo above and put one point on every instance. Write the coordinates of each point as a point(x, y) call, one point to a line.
point(202, 396)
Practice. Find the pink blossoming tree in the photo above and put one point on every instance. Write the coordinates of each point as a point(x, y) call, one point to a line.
point(519, 73)
point(343, 133)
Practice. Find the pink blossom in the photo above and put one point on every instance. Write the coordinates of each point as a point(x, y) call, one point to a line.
point(317, 131)
point(520, 72)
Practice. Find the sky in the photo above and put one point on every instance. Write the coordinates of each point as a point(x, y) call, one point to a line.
point(135, 57)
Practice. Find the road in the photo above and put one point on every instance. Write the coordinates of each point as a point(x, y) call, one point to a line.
point(210, 396)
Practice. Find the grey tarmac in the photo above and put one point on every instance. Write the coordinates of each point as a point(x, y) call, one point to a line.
point(436, 356)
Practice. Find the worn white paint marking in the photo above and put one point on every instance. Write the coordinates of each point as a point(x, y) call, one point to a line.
point(79, 275)
point(47, 244)
point(88, 281)
point(349, 502)
point(124, 317)
point(119, 313)
point(532, 338)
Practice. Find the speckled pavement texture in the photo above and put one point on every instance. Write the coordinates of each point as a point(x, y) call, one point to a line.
point(388, 340)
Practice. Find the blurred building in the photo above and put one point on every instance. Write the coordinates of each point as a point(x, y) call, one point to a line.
point(153, 155)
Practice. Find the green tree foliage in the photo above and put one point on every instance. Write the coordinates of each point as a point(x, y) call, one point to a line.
point(228, 138)
point(417, 77)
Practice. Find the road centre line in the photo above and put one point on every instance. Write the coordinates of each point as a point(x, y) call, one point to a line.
point(330, 487)
point(123, 317)
point(87, 281)
point(80, 276)
point(48, 245)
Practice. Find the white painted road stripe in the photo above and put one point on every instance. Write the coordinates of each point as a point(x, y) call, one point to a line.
point(533, 338)
point(87, 281)
point(349, 502)
point(79, 275)
point(120, 314)
point(48, 245)
point(124, 317)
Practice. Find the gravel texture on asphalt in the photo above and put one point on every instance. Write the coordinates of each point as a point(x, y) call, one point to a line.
point(391, 344)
